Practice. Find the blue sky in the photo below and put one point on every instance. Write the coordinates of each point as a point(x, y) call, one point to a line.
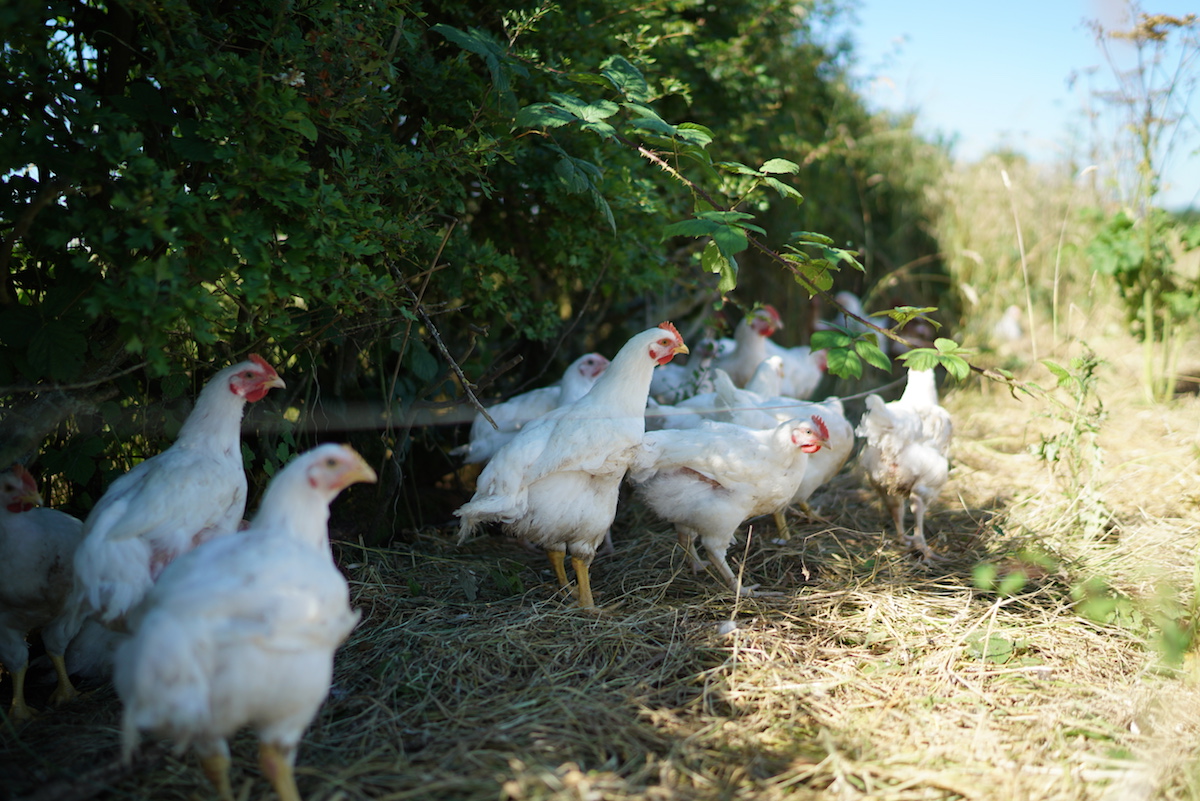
point(994, 74)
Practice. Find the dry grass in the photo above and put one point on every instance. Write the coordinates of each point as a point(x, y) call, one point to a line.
point(874, 677)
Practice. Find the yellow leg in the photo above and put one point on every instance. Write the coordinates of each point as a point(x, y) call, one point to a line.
point(65, 691)
point(781, 524)
point(557, 559)
point(584, 581)
point(216, 768)
point(278, 768)
point(19, 712)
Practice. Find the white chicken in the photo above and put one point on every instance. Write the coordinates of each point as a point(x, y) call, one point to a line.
point(750, 344)
point(906, 455)
point(720, 403)
point(511, 415)
point(556, 483)
point(762, 412)
point(801, 369)
point(827, 462)
point(36, 550)
point(241, 631)
point(710, 479)
point(165, 506)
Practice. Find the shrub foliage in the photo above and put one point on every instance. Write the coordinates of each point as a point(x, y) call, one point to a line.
point(368, 194)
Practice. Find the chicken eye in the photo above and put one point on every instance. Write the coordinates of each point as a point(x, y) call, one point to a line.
point(331, 462)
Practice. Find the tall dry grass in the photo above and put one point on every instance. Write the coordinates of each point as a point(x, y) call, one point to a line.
point(1013, 233)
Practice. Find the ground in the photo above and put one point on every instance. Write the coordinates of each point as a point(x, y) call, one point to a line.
point(873, 676)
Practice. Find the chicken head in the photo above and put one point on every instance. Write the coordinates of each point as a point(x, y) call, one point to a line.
point(663, 349)
point(337, 469)
point(18, 490)
point(765, 320)
point(255, 380)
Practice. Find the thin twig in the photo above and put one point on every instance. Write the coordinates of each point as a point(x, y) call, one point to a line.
point(39, 389)
point(437, 338)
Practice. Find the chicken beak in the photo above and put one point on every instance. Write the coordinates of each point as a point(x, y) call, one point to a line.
point(359, 470)
point(276, 383)
point(30, 499)
point(680, 348)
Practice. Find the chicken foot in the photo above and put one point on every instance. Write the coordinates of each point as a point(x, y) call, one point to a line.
point(19, 712)
point(582, 577)
point(65, 691)
point(276, 763)
point(687, 541)
point(558, 561)
point(216, 768)
point(916, 540)
point(716, 557)
point(781, 525)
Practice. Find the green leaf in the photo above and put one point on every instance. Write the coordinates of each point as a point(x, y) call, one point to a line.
point(544, 115)
point(422, 363)
point(983, 576)
point(693, 227)
point(725, 217)
point(956, 366)
point(830, 339)
point(713, 260)
point(869, 350)
point(306, 128)
point(812, 237)
point(603, 129)
point(990, 648)
point(736, 167)
point(945, 345)
point(655, 125)
point(842, 362)
point(1011, 584)
point(589, 78)
point(785, 191)
point(905, 314)
point(731, 240)
point(1059, 371)
point(818, 273)
point(475, 40)
point(643, 111)
point(625, 78)
point(780, 166)
point(589, 112)
point(694, 133)
point(920, 359)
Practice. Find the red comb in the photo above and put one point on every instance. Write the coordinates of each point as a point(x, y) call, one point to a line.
point(263, 363)
point(667, 326)
point(771, 310)
point(821, 427)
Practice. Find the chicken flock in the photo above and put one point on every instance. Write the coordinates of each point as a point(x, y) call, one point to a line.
point(209, 624)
